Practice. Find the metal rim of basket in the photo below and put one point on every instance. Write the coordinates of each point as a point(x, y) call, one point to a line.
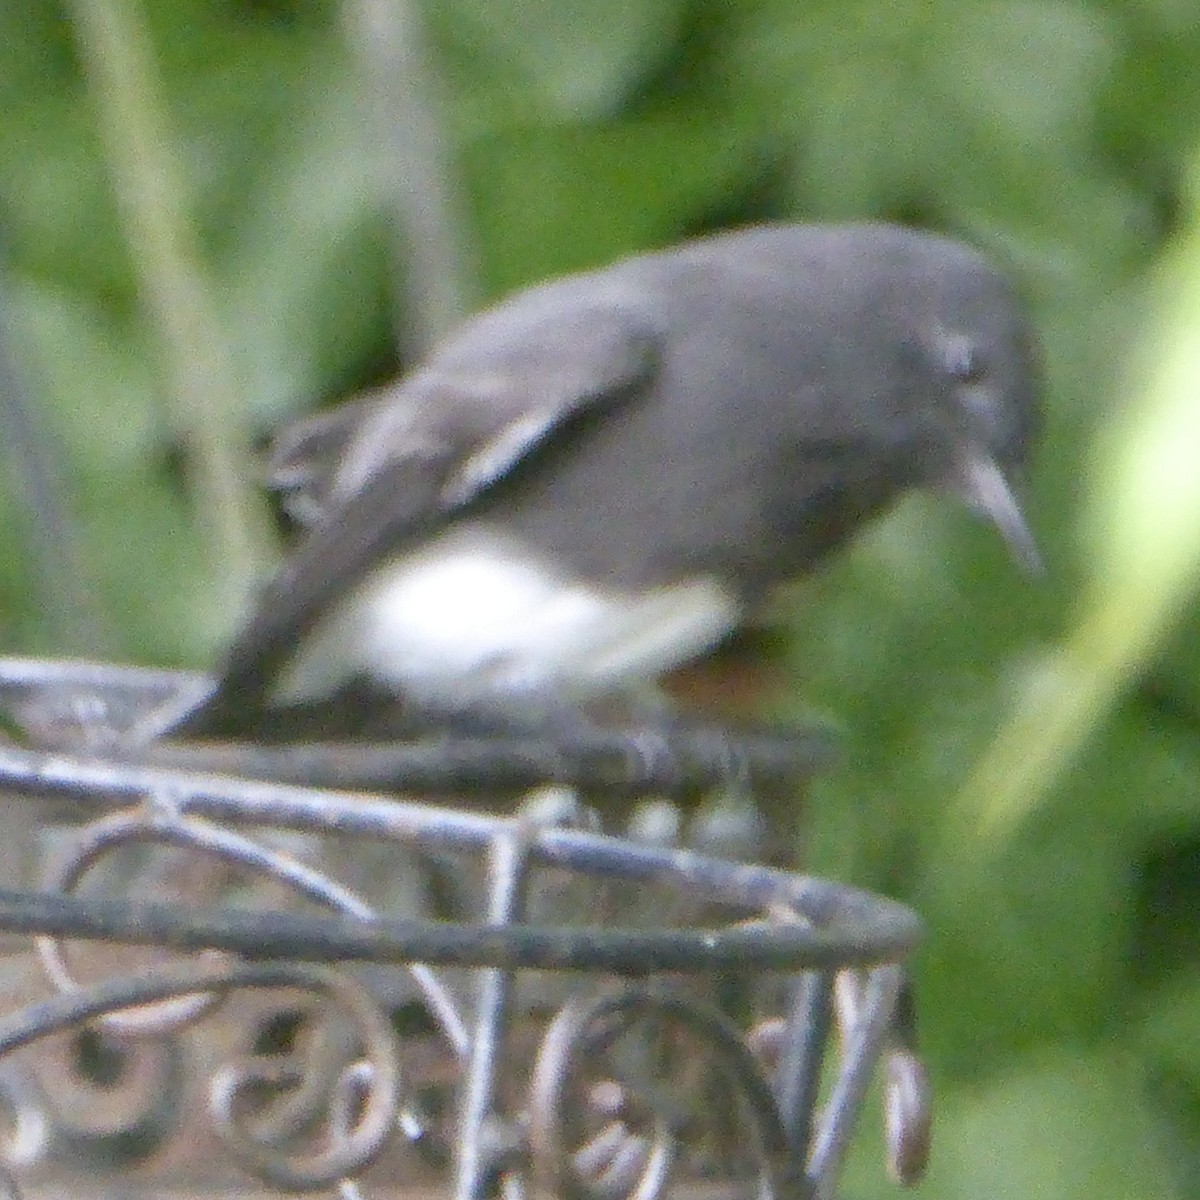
point(842, 945)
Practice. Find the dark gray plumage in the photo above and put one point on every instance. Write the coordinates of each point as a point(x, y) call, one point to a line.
point(596, 479)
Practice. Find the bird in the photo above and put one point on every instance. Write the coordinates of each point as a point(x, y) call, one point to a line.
point(600, 477)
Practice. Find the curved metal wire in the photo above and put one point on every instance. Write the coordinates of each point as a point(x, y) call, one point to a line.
point(121, 829)
point(643, 1162)
point(530, 1069)
point(354, 1150)
point(119, 707)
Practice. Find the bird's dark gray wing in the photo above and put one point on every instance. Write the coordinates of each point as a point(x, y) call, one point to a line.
point(442, 438)
point(303, 457)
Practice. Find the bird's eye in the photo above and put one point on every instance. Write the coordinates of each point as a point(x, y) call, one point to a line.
point(964, 361)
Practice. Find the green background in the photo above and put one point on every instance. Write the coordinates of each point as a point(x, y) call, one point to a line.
point(200, 225)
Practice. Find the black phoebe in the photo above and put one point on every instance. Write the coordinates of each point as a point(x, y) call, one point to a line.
point(597, 479)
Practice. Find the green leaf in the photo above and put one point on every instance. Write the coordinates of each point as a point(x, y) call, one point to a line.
point(579, 60)
point(560, 198)
point(1071, 1123)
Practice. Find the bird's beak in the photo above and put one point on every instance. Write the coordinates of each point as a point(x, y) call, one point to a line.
point(982, 484)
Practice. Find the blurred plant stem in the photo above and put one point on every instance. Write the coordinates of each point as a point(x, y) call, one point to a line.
point(139, 146)
point(66, 587)
point(1144, 524)
point(437, 286)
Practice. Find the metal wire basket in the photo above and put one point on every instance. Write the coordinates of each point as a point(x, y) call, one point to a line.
point(340, 992)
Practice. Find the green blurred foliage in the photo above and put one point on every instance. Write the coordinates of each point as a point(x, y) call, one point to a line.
point(1023, 757)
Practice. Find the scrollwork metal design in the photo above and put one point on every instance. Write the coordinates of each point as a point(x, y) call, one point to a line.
point(620, 1079)
point(169, 827)
point(607, 1120)
point(231, 1101)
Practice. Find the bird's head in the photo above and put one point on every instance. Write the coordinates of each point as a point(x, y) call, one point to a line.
point(986, 409)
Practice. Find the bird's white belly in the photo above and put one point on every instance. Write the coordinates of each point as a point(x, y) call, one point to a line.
point(469, 616)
